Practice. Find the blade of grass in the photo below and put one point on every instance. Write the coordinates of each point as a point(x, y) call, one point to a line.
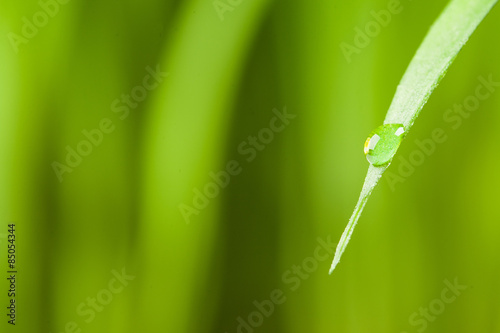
point(444, 40)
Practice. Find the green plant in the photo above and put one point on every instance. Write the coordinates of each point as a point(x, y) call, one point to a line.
point(444, 40)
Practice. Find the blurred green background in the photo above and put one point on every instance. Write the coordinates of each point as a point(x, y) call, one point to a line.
point(250, 258)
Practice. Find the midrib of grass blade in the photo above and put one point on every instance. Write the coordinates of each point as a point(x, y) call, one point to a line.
point(441, 45)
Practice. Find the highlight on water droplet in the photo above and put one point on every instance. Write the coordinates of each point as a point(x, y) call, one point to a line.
point(382, 144)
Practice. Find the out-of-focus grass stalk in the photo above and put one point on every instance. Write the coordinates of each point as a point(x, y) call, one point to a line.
point(186, 128)
point(324, 90)
point(16, 200)
point(92, 216)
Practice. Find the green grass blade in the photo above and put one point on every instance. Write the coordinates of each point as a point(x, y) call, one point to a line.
point(436, 53)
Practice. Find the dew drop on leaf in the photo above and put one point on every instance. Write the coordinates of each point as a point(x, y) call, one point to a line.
point(382, 144)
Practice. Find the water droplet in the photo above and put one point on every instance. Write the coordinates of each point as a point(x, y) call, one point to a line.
point(383, 143)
